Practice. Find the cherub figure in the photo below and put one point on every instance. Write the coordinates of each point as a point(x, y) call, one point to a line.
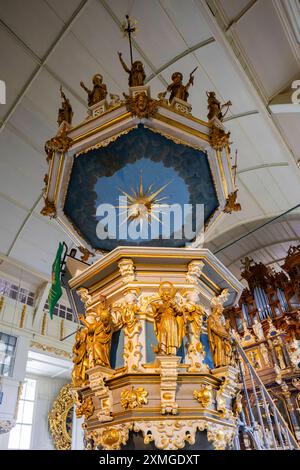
point(99, 91)
point(215, 108)
point(136, 73)
point(65, 112)
point(177, 89)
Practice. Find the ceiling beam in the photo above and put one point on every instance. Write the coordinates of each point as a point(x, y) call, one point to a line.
point(263, 247)
point(186, 52)
point(24, 267)
point(231, 46)
point(264, 165)
point(241, 14)
point(41, 63)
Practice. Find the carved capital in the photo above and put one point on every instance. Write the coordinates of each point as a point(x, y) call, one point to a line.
point(127, 270)
point(194, 272)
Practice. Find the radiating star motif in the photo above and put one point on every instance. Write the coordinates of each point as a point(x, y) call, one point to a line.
point(142, 204)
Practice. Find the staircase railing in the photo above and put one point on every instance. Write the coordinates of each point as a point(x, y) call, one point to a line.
point(266, 429)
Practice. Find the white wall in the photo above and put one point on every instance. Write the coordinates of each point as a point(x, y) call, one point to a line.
point(47, 390)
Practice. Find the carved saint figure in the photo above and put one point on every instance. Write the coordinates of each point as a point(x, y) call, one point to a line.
point(80, 358)
point(100, 330)
point(219, 337)
point(258, 330)
point(99, 91)
point(215, 107)
point(136, 73)
point(194, 315)
point(65, 113)
point(168, 321)
point(177, 89)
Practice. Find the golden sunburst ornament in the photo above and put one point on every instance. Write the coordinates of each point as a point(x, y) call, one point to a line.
point(142, 204)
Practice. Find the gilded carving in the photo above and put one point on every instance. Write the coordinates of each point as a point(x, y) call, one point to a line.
point(127, 316)
point(177, 89)
point(134, 398)
point(85, 253)
point(215, 109)
point(231, 204)
point(193, 314)
point(58, 418)
point(49, 209)
point(219, 139)
point(168, 321)
point(141, 105)
point(65, 112)
point(23, 314)
point(204, 395)
point(80, 358)
point(111, 438)
point(219, 333)
point(1, 302)
point(136, 75)
point(51, 349)
point(99, 334)
point(85, 408)
point(59, 143)
point(99, 91)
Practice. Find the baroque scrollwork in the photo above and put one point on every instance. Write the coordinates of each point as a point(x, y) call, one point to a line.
point(174, 434)
point(85, 408)
point(58, 417)
point(219, 139)
point(110, 438)
point(127, 315)
point(134, 398)
point(231, 204)
point(204, 395)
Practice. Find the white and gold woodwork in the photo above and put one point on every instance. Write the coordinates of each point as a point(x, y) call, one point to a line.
point(127, 380)
point(103, 126)
point(164, 397)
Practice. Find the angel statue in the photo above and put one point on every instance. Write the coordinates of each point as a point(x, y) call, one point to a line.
point(168, 321)
point(219, 333)
point(99, 91)
point(136, 75)
point(65, 112)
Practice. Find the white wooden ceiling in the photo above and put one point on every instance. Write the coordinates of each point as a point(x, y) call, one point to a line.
point(45, 43)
